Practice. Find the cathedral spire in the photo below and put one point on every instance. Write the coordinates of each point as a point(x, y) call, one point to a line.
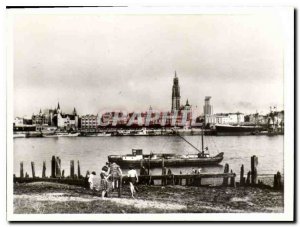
point(175, 94)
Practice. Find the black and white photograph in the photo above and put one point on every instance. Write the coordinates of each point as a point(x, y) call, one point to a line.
point(150, 114)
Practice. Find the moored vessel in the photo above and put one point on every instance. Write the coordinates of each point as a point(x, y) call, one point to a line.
point(170, 160)
point(62, 134)
point(238, 129)
point(202, 158)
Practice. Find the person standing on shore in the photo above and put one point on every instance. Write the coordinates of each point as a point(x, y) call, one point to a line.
point(133, 178)
point(104, 184)
point(116, 174)
point(91, 180)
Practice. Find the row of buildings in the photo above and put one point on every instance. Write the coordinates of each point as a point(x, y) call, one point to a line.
point(178, 116)
point(273, 118)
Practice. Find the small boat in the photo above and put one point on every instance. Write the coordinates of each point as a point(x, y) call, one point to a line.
point(61, 134)
point(19, 135)
point(33, 134)
point(103, 134)
point(202, 158)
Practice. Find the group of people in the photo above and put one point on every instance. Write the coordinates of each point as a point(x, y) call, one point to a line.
point(110, 176)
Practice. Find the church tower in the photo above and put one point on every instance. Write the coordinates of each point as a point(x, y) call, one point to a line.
point(58, 109)
point(175, 94)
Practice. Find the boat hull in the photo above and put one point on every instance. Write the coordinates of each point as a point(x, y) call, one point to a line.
point(173, 162)
point(238, 130)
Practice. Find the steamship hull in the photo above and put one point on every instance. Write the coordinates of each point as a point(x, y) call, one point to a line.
point(168, 162)
point(238, 130)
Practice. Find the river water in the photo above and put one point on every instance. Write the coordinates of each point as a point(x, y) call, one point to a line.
point(92, 152)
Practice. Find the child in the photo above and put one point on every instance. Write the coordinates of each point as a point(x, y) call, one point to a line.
point(133, 178)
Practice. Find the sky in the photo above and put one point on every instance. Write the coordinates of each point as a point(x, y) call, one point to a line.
point(127, 62)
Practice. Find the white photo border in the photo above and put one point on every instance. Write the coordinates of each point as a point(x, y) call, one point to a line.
point(287, 17)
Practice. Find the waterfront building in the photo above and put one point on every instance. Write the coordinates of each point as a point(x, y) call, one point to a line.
point(89, 121)
point(23, 125)
point(230, 118)
point(18, 121)
point(256, 119)
point(207, 108)
point(208, 111)
point(175, 94)
point(55, 118)
point(66, 121)
point(225, 118)
point(275, 120)
point(39, 119)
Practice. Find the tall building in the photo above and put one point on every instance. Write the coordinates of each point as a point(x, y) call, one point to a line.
point(175, 94)
point(207, 108)
point(89, 121)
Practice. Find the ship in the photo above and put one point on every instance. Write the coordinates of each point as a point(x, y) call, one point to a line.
point(153, 160)
point(61, 134)
point(238, 129)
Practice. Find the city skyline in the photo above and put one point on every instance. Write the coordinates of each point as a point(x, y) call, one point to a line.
point(128, 66)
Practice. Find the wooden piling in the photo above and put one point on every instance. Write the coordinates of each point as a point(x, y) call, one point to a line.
point(63, 173)
point(57, 167)
point(248, 178)
point(163, 171)
point(141, 164)
point(277, 181)
point(78, 170)
point(53, 167)
point(180, 180)
point(254, 163)
point(44, 170)
point(149, 165)
point(32, 169)
point(120, 187)
point(232, 180)
point(242, 178)
point(21, 170)
point(72, 168)
point(225, 179)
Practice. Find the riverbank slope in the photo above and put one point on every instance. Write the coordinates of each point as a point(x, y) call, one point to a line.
point(45, 198)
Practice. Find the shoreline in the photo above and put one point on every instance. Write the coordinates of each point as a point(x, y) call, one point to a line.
point(45, 197)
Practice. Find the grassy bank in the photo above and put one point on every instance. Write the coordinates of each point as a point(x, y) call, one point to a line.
point(42, 197)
